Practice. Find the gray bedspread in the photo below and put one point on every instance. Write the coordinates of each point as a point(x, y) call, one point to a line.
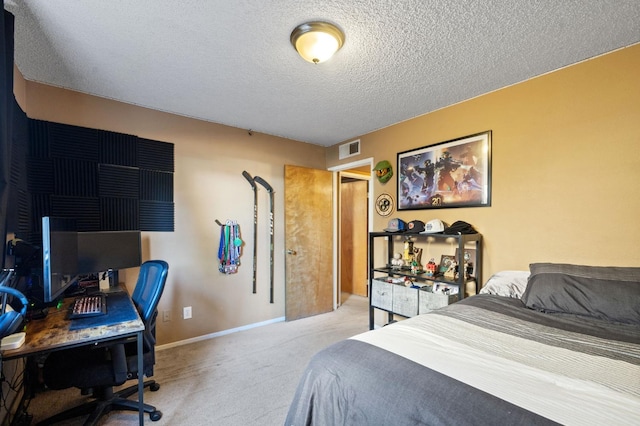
point(484, 361)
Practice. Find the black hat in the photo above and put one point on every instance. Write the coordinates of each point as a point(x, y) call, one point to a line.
point(415, 226)
point(459, 227)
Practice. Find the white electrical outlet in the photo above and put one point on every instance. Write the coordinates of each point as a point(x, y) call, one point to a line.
point(186, 312)
point(166, 316)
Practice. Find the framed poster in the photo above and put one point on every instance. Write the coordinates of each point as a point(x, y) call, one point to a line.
point(455, 173)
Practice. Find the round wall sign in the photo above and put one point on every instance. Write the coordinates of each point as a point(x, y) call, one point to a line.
point(384, 204)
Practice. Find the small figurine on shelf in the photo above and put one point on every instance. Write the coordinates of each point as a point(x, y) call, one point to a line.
point(408, 251)
point(469, 270)
point(397, 262)
point(417, 255)
point(416, 267)
point(451, 270)
point(431, 268)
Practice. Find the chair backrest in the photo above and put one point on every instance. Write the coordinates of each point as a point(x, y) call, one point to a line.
point(149, 287)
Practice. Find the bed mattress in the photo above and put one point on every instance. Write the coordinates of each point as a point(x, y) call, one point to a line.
point(484, 360)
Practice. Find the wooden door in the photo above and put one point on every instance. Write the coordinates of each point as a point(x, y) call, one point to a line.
point(308, 210)
point(353, 237)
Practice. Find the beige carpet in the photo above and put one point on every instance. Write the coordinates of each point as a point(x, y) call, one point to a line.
point(244, 378)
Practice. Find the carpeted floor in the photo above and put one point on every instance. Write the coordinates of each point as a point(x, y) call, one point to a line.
point(245, 378)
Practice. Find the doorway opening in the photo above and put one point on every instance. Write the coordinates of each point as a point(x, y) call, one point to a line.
point(352, 222)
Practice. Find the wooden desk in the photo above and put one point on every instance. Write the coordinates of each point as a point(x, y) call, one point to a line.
point(53, 333)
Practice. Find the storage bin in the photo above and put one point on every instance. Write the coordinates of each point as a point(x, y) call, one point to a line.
point(428, 301)
point(382, 294)
point(405, 300)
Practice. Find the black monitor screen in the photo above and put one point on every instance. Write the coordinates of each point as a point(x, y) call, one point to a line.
point(102, 251)
point(59, 256)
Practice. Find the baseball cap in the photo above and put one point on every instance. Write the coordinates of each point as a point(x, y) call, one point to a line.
point(415, 226)
point(434, 226)
point(396, 225)
point(460, 227)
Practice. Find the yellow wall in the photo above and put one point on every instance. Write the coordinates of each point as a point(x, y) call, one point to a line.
point(208, 185)
point(566, 164)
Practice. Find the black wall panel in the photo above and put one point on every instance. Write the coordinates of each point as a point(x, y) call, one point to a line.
point(40, 206)
point(67, 141)
point(154, 155)
point(19, 149)
point(118, 149)
point(39, 139)
point(119, 181)
point(40, 175)
point(119, 214)
point(19, 206)
point(156, 186)
point(75, 177)
point(97, 177)
point(23, 213)
point(156, 216)
point(85, 211)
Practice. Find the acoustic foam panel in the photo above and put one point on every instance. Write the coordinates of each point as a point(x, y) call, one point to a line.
point(118, 181)
point(119, 214)
point(156, 186)
point(68, 142)
point(85, 211)
point(75, 177)
point(155, 155)
point(99, 178)
point(156, 216)
point(118, 149)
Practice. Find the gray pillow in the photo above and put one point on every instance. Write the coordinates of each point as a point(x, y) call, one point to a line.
point(611, 293)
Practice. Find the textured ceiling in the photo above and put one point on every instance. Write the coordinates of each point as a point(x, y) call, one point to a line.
point(231, 62)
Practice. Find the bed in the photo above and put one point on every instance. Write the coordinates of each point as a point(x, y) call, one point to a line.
point(559, 345)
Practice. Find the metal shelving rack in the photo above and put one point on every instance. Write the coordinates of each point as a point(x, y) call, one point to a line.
point(398, 238)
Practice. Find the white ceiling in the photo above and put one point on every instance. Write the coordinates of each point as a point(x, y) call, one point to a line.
point(231, 62)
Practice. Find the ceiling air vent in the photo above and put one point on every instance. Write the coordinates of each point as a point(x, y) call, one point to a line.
point(349, 149)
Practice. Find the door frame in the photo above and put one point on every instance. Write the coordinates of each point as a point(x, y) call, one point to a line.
point(336, 214)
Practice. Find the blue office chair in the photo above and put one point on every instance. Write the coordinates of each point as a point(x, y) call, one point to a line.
point(97, 370)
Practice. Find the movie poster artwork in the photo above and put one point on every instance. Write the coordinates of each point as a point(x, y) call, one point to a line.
point(454, 173)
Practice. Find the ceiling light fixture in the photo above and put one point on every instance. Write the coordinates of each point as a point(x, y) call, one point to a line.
point(317, 41)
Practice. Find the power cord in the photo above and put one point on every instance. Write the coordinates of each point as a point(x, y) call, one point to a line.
point(10, 389)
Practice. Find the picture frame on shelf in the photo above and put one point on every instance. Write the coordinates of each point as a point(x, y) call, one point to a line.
point(454, 173)
point(447, 266)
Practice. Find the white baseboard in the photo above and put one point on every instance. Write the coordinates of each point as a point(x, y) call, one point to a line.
point(218, 334)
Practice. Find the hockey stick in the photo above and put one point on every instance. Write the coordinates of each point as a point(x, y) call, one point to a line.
point(270, 190)
point(248, 177)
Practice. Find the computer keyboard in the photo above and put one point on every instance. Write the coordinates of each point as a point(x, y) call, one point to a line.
point(89, 306)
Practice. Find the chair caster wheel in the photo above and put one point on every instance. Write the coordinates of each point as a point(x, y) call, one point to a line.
point(155, 416)
point(154, 387)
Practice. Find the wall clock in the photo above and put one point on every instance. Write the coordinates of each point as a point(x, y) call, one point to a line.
point(384, 204)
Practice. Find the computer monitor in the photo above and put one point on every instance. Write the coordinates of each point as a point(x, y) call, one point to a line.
point(59, 256)
point(108, 250)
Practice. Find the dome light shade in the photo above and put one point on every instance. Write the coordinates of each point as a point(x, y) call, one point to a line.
point(317, 41)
